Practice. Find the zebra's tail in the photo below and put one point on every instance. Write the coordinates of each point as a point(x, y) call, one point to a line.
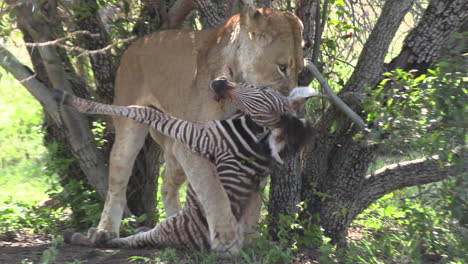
point(82, 105)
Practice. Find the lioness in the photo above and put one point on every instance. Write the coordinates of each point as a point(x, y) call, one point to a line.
point(171, 70)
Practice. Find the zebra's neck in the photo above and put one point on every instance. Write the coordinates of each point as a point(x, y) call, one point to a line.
point(263, 141)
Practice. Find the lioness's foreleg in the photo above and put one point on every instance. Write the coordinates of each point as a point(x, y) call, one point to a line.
point(129, 138)
point(225, 232)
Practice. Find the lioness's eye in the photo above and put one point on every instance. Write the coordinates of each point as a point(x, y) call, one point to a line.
point(282, 67)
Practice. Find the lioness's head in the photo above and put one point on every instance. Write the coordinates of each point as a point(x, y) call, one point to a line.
point(265, 48)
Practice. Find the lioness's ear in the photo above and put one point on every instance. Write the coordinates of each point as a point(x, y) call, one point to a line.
point(251, 12)
point(299, 95)
point(256, 22)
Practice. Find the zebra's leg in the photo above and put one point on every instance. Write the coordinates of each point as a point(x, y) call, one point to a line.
point(225, 233)
point(184, 229)
point(173, 177)
point(129, 139)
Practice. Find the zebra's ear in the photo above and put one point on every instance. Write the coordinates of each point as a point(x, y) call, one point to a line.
point(299, 95)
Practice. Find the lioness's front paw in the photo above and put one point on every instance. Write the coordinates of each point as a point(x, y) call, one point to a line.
point(227, 242)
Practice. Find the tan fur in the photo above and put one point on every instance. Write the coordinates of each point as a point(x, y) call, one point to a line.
point(171, 70)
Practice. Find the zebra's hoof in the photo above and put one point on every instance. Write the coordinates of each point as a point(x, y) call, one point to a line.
point(75, 238)
point(67, 236)
point(99, 237)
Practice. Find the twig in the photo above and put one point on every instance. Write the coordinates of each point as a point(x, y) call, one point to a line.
point(23, 81)
point(82, 52)
point(57, 41)
point(338, 59)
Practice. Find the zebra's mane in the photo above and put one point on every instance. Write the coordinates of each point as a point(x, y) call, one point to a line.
point(296, 132)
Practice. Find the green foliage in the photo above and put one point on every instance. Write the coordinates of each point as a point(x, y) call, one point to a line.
point(49, 255)
point(20, 124)
point(425, 113)
point(85, 205)
point(409, 226)
point(130, 224)
point(99, 130)
point(17, 215)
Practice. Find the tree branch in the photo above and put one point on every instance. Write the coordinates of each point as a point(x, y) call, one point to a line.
point(177, 14)
point(306, 10)
point(422, 46)
point(404, 174)
point(338, 102)
point(28, 79)
point(319, 28)
point(370, 66)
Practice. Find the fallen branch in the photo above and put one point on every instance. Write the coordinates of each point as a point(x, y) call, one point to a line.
point(335, 99)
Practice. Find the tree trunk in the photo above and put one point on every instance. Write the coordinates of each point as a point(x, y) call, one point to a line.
point(102, 63)
point(57, 72)
point(307, 11)
point(72, 129)
point(285, 192)
point(335, 185)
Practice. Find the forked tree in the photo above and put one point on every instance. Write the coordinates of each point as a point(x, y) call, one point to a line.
point(334, 164)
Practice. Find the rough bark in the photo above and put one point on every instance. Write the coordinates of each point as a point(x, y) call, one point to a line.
point(285, 192)
point(334, 182)
point(213, 12)
point(306, 10)
point(422, 47)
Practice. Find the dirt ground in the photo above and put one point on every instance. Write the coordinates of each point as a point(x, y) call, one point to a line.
point(29, 248)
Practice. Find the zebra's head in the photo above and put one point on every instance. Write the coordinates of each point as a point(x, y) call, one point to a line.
point(268, 108)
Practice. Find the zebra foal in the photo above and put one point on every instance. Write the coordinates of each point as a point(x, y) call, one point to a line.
point(242, 150)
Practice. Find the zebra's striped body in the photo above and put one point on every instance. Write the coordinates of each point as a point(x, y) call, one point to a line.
point(240, 149)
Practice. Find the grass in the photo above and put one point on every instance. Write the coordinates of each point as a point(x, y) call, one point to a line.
point(22, 151)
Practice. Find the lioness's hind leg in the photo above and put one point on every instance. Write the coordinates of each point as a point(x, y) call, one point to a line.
point(174, 175)
point(129, 139)
point(173, 179)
